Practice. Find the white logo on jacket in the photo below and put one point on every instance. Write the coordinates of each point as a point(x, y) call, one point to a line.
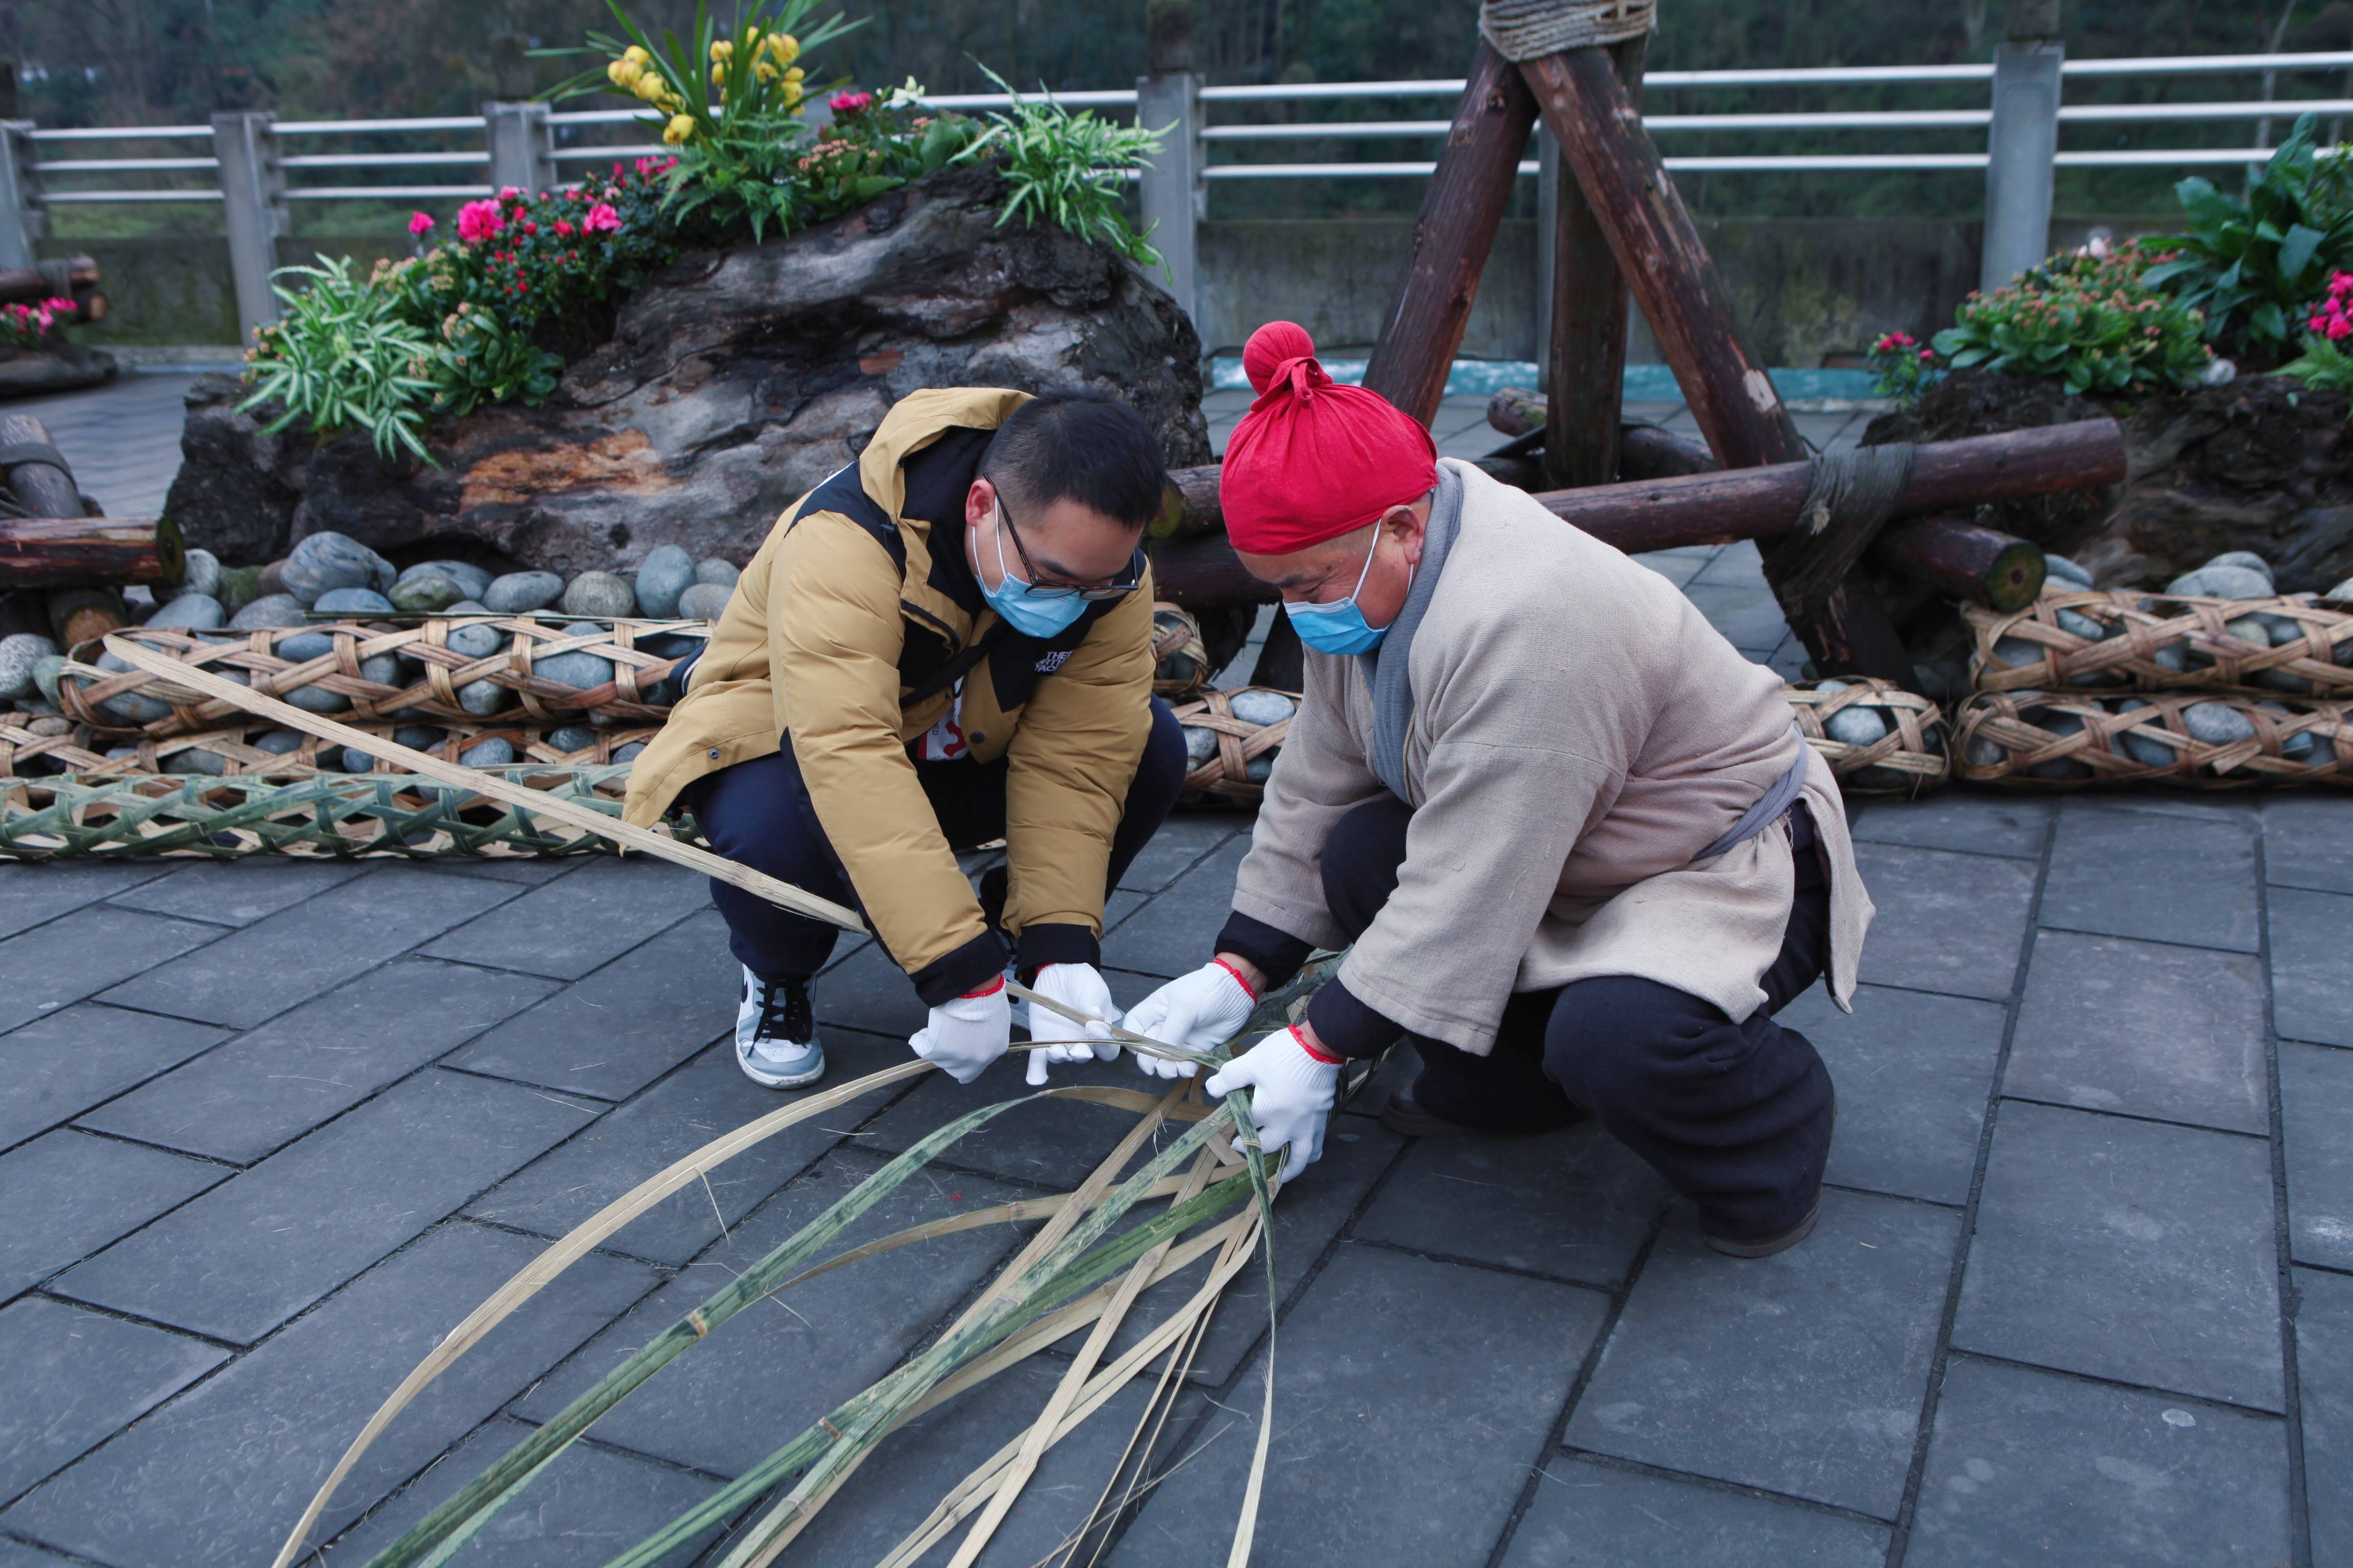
point(1053, 661)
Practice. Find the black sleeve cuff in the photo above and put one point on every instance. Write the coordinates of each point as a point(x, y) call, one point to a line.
point(968, 968)
point(1347, 1025)
point(1278, 954)
point(1040, 945)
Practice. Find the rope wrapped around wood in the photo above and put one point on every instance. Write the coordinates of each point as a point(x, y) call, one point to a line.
point(150, 704)
point(1180, 661)
point(2061, 740)
point(330, 815)
point(1225, 774)
point(1531, 29)
point(234, 748)
point(2154, 642)
point(1906, 759)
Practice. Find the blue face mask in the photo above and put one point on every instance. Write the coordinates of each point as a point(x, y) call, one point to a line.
point(1339, 627)
point(1019, 602)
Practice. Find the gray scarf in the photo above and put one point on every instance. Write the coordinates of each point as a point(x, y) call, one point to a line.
point(1385, 668)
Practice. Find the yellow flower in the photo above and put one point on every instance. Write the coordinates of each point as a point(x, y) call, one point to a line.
point(795, 74)
point(636, 54)
point(718, 76)
point(765, 71)
point(679, 128)
point(785, 46)
point(650, 87)
point(792, 93)
point(623, 73)
point(720, 49)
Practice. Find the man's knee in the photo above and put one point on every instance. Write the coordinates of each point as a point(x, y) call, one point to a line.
point(1619, 1038)
point(1160, 772)
point(1361, 858)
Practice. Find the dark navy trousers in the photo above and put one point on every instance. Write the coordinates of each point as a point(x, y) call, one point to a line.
point(1735, 1116)
point(759, 813)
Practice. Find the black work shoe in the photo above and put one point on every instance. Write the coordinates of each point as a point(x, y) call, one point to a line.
point(1767, 1246)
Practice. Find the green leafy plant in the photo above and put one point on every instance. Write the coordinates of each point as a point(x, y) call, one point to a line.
point(2090, 319)
point(2247, 262)
point(343, 358)
point(1069, 170)
point(2328, 326)
point(482, 359)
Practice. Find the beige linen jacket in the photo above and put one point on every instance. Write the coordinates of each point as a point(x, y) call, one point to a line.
point(1580, 734)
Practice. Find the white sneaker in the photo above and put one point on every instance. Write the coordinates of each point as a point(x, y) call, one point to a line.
point(775, 1034)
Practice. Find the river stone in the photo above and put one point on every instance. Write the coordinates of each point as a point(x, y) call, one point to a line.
point(325, 562)
point(202, 575)
point(2061, 767)
point(2217, 724)
point(2221, 582)
point(358, 762)
point(1261, 768)
point(238, 586)
point(47, 669)
point(419, 737)
point(599, 594)
point(269, 610)
point(572, 737)
point(190, 760)
point(1200, 744)
point(628, 754)
point(477, 641)
point(383, 668)
point(2245, 559)
point(278, 743)
point(494, 753)
point(2280, 680)
point(318, 700)
point(704, 600)
point(2083, 626)
point(484, 698)
point(2064, 570)
point(429, 595)
point(2011, 652)
point(353, 602)
point(715, 571)
point(581, 672)
point(468, 608)
point(2298, 747)
point(465, 573)
point(520, 591)
point(1261, 707)
point(191, 612)
point(666, 572)
point(18, 655)
point(304, 647)
point(1855, 726)
point(2282, 629)
point(2148, 753)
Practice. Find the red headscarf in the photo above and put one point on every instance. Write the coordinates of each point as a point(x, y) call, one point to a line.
point(1313, 460)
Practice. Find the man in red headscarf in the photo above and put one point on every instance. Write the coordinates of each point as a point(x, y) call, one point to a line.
point(1579, 848)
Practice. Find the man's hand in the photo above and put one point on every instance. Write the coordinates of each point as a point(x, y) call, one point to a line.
point(1080, 986)
point(1200, 1012)
point(1295, 1082)
point(968, 1033)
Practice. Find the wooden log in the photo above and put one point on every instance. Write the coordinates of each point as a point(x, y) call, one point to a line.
point(37, 473)
point(1188, 504)
point(57, 551)
point(1588, 324)
point(77, 614)
point(1648, 452)
point(17, 283)
point(1963, 559)
point(1516, 410)
point(1204, 570)
point(1460, 212)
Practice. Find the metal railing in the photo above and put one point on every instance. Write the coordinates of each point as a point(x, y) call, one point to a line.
point(259, 164)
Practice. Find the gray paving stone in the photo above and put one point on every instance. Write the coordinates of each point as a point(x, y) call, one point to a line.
point(1173, 932)
point(2128, 1250)
point(1947, 922)
point(238, 892)
point(18, 1554)
point(2144, 1027)
point(2315, 1108)
point(864, 990)
point(52, 966)
point(708, 1097)
point(2324, 1360)
point(1591, 1515)
point(2311, 933)
point(625, 1026)
point(32, 893)
point(1051, 1145)
point(593, 1503)
point(530, 873)
point(1912, 1072)
point(1749, 615)
point(1574, 1204)
point(768, 1372)
point(2307, 842)
point(1739, 564)
point(2030, 1466)
point(74, 1378)
point(1802, 1373)
point(593, 916)
point(297, 954)
point(2160, 876)
point(299, 1069)
point(60, 1065)
point(219, 1474)
point(1181, 840)
point(276, 1237)
point(893, 1491)
point(70, 1195)
point(1974, 824)
point(1410, 1397)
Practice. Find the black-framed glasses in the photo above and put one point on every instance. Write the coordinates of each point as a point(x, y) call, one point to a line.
point(1092, 591)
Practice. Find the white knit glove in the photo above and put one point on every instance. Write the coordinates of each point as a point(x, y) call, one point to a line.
point(966, 1034)
point(1293, 1099)
point(1082, 988)
point(1199, 1011)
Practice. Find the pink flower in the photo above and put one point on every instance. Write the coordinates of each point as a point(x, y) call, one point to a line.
point(2340, 329)
point(601, 219)
point(530, 227)
point(651, 166)
point(1927, 354)
point(477, 221)
point(419, 223)
point(849, 103)
point(508, 193)
point(564, 226)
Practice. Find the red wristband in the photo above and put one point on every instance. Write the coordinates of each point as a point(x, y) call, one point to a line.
point(1312, 1053)
point(991, 989)
point(1248, 989)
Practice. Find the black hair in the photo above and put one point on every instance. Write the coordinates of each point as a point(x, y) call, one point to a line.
point(1080, 445)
